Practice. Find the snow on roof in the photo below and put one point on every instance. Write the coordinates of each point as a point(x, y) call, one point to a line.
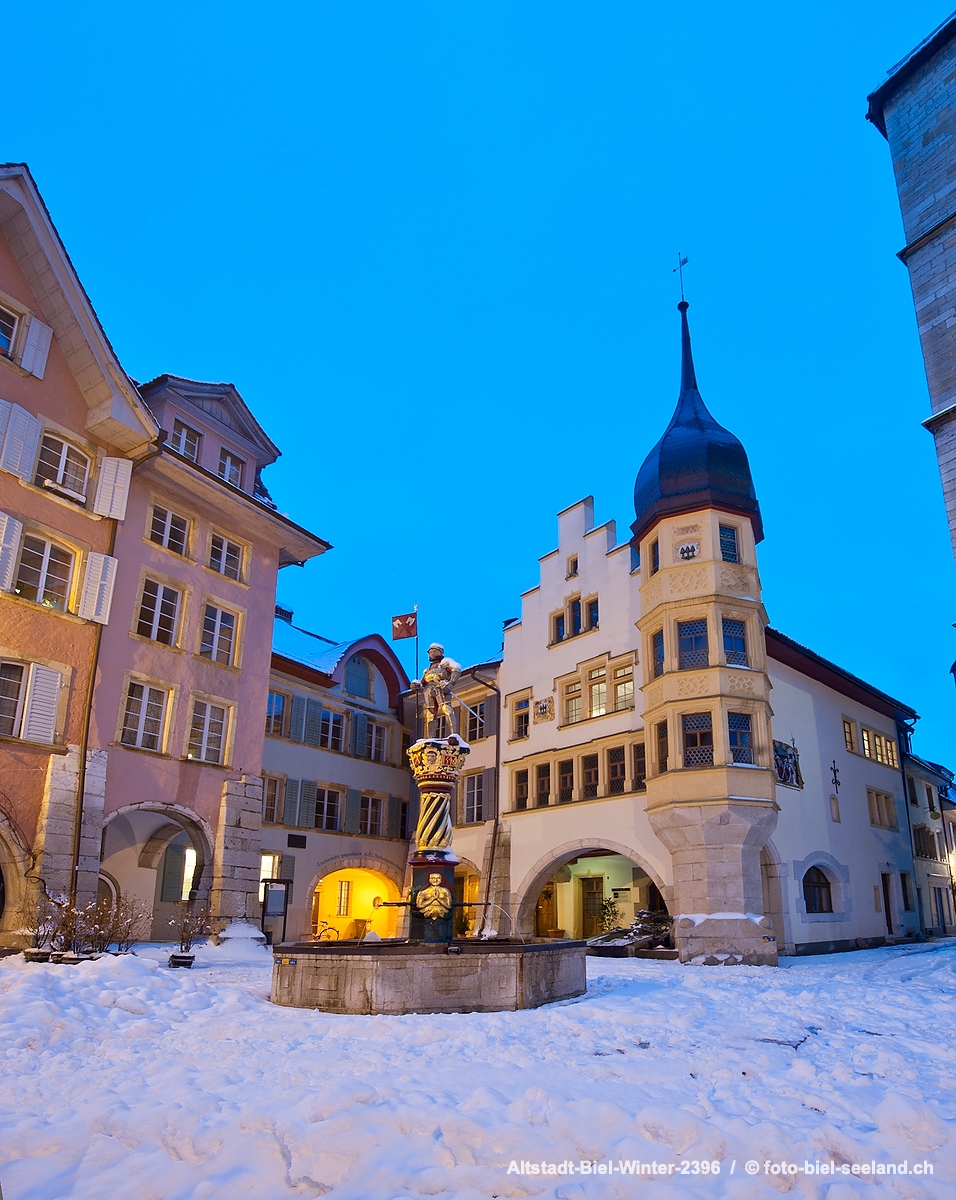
point(310, 649)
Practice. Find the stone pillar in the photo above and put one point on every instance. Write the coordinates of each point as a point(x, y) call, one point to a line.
point(57, 824)
point(234, 896)
point(715, 849)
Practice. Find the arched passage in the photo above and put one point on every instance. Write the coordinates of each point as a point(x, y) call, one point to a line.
point(17, 895)
point(571, 885)
point(349, 901)
point(159, 855)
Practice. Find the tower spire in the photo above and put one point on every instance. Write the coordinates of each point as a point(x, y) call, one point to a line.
point(688, 377)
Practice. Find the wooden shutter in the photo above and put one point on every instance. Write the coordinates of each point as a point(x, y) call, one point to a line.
point(37, 347)
point(42, 704)
point(5, 407)
point(393, 817)
point(290, 810)
point(112, 489)
point(21, 443)
point(307, 805)
point(353, 811)
point(491, 715)
point(297, 719)
point(10, 531)
point(359, 736)
point(287, 871)
point(488, 797)
point(97, 595)
point(313, 721)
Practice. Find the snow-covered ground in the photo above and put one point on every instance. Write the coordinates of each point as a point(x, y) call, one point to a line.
point(123, 1079)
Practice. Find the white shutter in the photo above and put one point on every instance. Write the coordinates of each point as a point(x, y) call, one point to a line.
point(19, 454)
point(37, 347)
point(112, 491)
point(97, 595)
point(10, 531)
point(5, 407)
point(42, 704)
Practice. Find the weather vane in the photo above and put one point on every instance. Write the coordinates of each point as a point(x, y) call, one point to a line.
point(682, 261)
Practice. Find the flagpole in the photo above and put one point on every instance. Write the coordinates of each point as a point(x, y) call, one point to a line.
point(415, 610)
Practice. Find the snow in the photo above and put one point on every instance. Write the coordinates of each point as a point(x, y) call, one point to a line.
point(122, 1078)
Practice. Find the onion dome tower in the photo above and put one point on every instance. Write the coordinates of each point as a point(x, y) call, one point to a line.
point(706, 693)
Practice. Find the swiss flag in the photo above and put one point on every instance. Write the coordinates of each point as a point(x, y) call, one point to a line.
point(405, 626)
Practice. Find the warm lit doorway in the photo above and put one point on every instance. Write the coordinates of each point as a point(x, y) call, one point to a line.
point(344, 903)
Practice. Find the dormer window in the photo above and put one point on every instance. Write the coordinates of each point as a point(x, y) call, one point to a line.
point(186, 440)
point(63, 468)
point(230, 467)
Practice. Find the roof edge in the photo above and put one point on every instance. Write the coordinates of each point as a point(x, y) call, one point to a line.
point(907, 66)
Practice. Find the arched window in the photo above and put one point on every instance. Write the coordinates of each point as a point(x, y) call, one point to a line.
point(358, 678)
point(817, 893)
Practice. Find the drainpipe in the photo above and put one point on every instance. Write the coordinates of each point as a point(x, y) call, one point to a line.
point(489, 911)
point(902, 727)
point(88, 713)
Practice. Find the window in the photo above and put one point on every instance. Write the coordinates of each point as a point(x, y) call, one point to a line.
point(476, 722)
point(735, 644)
point(882, 809)
point(597, 692)
point(275, 714)
point(558, 628)
point(358, 679)
point(143, 719)
point(817, 893)
point(44, 573)
point(521, 790)
point(655, 557)
point(230, 467)
point(572, 703)
point(879, 747)
point(728, 544)
point(8, 330)
point(623, 688)
point(592, 614)
point(849, 735)
point(225, 557)
point(11, 696)
point(572, 567)
point(616, 771)
point(343, 898)
point(327, 807)
point(186, 440)
point(332, 730)
point(923, 842)
point(662, 749)
point(522, 718)
point(158, 611)
point(741, 747)
point(657, 647)
point(543, 785)
point(370, 816)
point(474, 799)
point(63, 467)
point(376, 740)
point(930, 798)
point(207, 732)
point(911, 791)
point(698, 740)
point(640, 767)
point(906, 888)
point(566, 781)
point(270, 801)
point(692, 644)
point(169, 529)
point(575, 617)
point(589, 776)
point(218, 635)
point(403, 830)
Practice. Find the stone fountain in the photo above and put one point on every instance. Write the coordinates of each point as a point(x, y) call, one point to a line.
point(430, 970)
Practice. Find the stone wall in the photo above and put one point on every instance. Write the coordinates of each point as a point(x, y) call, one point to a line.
point(234, 895)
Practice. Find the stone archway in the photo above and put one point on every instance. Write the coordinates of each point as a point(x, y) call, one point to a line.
point(138, 840)
point(526, 899)
point(773, 882)
point(343, 897)
point(18, 891)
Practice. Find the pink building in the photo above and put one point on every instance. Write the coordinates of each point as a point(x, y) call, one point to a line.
point(139, 553)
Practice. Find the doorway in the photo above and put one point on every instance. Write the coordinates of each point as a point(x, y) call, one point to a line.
point(546, 913)
point(886, 879)
point(592, 898)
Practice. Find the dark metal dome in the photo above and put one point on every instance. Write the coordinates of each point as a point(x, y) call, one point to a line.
point(696, 464)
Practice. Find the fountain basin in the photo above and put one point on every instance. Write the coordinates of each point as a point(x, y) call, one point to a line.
point(396, 977)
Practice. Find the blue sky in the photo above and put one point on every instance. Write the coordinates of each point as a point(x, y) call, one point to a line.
point(432, 245)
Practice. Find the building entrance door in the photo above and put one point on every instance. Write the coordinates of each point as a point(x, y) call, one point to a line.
point(546, 914)
point(886, 902)
point(592, 896)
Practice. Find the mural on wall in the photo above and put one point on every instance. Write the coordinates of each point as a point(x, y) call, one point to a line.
point(786, 762)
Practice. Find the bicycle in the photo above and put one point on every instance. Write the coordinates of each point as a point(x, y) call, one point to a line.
point(325, 932)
